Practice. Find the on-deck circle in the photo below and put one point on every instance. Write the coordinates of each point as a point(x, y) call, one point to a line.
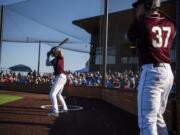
point(70, 107)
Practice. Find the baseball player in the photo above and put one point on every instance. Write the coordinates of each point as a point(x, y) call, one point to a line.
point(153, 35)
point(59, 81)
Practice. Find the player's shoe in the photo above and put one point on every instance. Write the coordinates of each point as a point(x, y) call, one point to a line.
point(63, 111)
point(53, 114)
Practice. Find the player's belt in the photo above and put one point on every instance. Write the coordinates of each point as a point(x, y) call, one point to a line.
point(153, 65)
point(158, 65)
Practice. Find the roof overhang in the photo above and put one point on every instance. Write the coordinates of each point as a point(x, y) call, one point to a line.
point(120, 20)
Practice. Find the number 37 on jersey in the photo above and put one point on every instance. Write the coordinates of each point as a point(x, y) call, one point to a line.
point(162, 35)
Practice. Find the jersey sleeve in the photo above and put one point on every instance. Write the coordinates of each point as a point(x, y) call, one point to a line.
point(174, 32)
point(48, 62)
point(133, 31)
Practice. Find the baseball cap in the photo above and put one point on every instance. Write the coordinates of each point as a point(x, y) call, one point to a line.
point(135, 4)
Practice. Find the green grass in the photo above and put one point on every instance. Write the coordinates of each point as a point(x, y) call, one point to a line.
point(8, 98)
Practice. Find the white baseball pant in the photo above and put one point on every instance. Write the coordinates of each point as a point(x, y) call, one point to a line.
point(153, 91)
point(56, 90)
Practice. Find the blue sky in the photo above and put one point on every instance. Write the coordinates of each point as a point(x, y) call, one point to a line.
point(27, 54)
point(40, 20)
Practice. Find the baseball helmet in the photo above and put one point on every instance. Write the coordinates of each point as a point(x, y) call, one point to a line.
point(56, 52)
point(148, 4)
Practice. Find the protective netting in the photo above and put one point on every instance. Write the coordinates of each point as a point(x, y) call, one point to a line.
point(51, 22)
point(46, 21)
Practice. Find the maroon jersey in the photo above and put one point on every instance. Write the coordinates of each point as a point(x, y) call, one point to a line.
point(58, 65)
point(153, 37)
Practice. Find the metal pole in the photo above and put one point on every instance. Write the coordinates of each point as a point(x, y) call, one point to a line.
point(106, 3)
point(178, 65)
point(1, 34)
point(39, 54)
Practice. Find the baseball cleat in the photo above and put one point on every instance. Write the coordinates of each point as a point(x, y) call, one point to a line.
point(53, 114)
point(63, 111)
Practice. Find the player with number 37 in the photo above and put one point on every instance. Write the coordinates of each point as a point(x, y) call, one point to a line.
point(153, 35)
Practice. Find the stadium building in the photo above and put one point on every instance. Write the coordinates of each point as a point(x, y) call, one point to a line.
point(121, 54)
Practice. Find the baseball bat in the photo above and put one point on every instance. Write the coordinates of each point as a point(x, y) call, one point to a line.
point(60, 44)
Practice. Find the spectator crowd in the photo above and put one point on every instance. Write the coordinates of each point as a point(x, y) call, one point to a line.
point(126, 79)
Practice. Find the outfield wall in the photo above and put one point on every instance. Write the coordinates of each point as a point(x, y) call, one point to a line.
point(122, 98)
point(26, 87)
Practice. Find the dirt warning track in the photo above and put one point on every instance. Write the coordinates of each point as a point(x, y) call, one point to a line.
point(26, 117)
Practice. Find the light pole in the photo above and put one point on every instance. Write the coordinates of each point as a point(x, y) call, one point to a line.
point(1, 32)
point(105, 41)
point(39, 55)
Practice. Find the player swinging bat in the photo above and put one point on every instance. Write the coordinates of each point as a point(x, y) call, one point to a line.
point(60, 79)
point(60, 44)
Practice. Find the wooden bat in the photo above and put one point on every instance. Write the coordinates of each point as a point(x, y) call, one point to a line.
point(60, 44)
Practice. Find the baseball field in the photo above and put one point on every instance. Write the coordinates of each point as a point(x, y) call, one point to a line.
point(23, 114)
point(8, 98)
